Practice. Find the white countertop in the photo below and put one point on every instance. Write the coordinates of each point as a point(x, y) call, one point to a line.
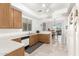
point(7, 45)
point(13, 35)
point(45, 32)
point(42, 32)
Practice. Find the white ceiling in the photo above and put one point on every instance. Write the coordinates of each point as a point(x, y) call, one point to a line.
point(45, 10)
point(51, 6)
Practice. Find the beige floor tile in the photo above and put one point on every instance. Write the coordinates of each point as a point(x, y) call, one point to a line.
point(49, 50)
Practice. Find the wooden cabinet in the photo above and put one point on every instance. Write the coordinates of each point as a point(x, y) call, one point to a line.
point(9, 17)
point(33, 40)
point(17, 52)
point(45, 38)
point(4, 15)
point(17, 40)
point(17, 19)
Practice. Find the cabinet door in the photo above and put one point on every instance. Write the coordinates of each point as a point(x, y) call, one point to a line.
point(17, 52)
point(17, 19)
point(45, 38)
point(33, 40)
point(21, 51)
point(4, 15)
point(11, 16)
point(17, 40)
point(36, 38)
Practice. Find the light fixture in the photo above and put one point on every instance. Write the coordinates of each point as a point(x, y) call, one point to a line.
point(47, 10)
point(44, 5)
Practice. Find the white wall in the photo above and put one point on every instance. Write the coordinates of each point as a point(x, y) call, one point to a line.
point(10, 30)
point(36, 25)
point(48, 22)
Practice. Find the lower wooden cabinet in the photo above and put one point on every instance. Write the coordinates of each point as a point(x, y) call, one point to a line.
point(17, 40)
point(17, 52)
point(45, 38)
point(33, 40)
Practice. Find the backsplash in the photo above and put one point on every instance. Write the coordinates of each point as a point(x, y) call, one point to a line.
point(9, 30)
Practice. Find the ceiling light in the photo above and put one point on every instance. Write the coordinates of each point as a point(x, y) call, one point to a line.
point(47, 10)
point(44, 5)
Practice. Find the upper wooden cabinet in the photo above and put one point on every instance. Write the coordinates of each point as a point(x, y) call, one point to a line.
point(9, 17)
point(4, 15)
point(17, 19)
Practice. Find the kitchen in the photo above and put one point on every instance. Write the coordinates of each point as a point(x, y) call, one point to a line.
point(11, 30)
point(26, 27)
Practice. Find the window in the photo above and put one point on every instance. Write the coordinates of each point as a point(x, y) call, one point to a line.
point(27, 24)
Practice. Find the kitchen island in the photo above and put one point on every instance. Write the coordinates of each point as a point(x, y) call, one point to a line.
point(43, 37)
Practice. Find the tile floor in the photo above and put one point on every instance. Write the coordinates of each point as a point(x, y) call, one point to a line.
point(49, 50)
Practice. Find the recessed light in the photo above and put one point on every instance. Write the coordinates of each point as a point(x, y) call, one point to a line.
point(47, 10)
point(43, 5)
